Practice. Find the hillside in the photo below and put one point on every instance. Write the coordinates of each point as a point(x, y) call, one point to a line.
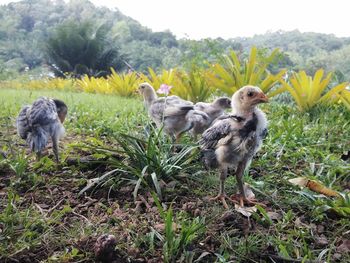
point(25, 27)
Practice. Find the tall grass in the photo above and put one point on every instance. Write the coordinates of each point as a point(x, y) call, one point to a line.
point(147, 160)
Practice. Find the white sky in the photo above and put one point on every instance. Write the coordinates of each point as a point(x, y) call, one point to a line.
point(231, 18)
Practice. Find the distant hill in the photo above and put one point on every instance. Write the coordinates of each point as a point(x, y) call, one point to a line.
point(307, 50)
point(25, 26)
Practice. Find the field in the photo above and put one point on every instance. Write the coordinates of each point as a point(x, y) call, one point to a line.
point(43, 218)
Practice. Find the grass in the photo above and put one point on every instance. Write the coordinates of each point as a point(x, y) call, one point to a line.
point(43, 217)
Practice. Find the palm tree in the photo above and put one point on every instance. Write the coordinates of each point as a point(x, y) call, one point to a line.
point(82, 49)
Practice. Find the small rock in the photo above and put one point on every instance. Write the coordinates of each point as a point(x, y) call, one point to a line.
point(321, 241)
point(320, 229)
point(197, 212)
point(104, 248)
point(161, 227)
point(344, 247)
point(171, 184)
point(228, 216)
point(274, 215)
point(337, 256)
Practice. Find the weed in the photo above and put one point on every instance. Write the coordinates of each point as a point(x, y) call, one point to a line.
point(147, 161)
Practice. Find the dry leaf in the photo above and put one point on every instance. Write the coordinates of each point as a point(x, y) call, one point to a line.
point(249, 192)
point(274, 215)
point(313, 186)
point(161, 227)
point(321, 241)
point(300, 181)
point(246, 211)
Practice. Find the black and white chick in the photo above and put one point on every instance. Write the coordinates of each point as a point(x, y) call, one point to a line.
point(233, 140)
point(213, 110)
point(176, 115)
point(41, 121)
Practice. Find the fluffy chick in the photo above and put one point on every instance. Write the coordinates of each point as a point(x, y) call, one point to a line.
point(213, 110)
point(233, 140)
point(41, 121)
point(175, 114)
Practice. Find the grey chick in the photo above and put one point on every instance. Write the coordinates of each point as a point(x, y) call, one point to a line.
point(213, 110)
point(41, 121)
point(233, 140)
point(173, 113)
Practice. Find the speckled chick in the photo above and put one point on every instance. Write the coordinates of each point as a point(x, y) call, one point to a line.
point(233, 140)
point(41, 121)
point(173, 113)
point(213, 110)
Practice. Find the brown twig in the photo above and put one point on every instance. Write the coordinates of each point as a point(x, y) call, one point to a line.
point(55, 206)
point(40, 209)
point(87, 220)
point(143, 200)
point(132, 69)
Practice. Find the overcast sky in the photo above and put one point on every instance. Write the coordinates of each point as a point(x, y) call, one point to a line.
point(231, 18)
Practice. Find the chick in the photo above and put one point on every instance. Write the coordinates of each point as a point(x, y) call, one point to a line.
point(41, 121)
point(173, 113)
point(233, 140)
point(213, 110)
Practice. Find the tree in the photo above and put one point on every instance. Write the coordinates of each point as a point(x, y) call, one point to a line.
point(80, 48)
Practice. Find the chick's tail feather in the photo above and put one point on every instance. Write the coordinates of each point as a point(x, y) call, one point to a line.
point(198, 116)
point(37, 139)
point(22, 124)
point(177, 111)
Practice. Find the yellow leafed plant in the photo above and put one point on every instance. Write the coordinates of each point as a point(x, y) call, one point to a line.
point(232, 74)
point(344, 97)
point(308, 91)
point(38, 84)
point(166, 77)
point(94, 85)
point(123, 84)
point(192, 85)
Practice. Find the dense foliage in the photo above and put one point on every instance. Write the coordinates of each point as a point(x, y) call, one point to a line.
point(26, 26)
point(82, 49)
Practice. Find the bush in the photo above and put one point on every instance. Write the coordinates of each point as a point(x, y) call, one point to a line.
point(232, 72)
point(309, 91)
point(82, 49)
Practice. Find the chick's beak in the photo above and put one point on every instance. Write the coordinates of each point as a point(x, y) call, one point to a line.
point(262, 98)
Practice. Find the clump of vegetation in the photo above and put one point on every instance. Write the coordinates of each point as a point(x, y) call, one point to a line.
point(81, 49)
point(233, 72)
point(124, 85)
point(309, 91)
point(193, 85)
point(164, 77)
point(146, 162)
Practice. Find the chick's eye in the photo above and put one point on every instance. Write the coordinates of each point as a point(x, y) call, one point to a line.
point(250, 94)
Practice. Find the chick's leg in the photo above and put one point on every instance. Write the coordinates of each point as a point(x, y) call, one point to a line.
point(222, 196)
point(177, 138)
point(243, 196)
point(239, 177)
point(38, 156)
point(55, 148)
